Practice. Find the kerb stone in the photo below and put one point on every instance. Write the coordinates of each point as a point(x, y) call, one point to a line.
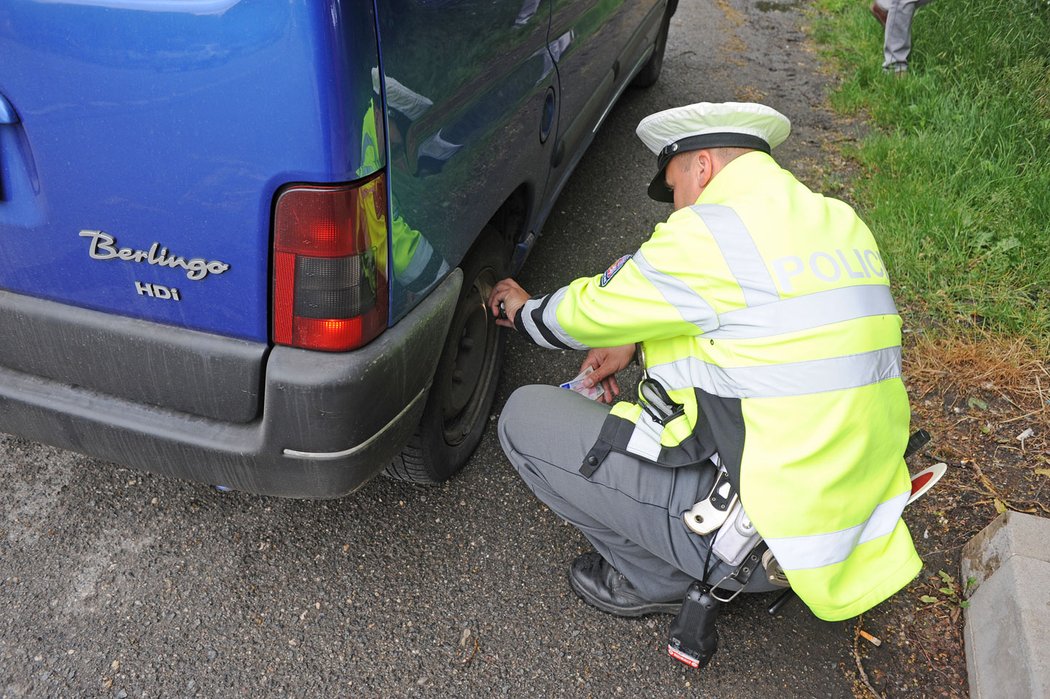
point(1007, 632)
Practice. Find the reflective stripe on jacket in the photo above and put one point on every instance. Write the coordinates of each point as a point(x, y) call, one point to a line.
point(765, 311)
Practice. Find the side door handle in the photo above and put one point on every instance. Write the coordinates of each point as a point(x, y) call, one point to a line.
point(7, 118)
point(7, 112)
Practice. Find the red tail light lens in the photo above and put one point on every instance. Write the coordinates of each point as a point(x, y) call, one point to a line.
point(330, 261)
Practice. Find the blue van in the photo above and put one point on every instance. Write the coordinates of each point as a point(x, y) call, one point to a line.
point(247, 242)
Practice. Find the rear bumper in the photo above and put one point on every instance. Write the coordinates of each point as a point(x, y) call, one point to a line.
point(328, 423)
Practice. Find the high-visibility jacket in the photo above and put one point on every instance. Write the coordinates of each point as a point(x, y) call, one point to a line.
point(765, 310)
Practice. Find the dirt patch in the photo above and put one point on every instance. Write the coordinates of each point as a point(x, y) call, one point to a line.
point(985, 401)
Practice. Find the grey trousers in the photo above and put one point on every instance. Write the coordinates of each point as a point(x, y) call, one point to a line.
point(629, 510)
point(897, 39)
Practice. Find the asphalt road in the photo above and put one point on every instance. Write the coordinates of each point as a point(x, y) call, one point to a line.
point(119, 583)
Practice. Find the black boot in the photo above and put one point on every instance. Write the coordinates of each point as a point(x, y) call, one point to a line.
point(602, 586)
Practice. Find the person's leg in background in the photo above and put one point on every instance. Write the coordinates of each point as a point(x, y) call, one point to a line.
point(897, 37)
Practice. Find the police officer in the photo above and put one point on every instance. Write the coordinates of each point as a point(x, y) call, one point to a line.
point(770, 344)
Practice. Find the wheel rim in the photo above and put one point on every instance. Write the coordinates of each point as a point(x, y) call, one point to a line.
point(472, 357)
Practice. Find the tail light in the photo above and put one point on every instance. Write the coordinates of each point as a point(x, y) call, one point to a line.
point(330, 265)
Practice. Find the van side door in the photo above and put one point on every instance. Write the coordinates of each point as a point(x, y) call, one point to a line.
point(597, 45)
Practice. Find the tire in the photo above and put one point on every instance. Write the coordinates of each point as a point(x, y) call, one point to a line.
point(650, 72)
point(464, 386)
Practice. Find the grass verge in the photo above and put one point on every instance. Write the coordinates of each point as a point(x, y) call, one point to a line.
point(955, 177)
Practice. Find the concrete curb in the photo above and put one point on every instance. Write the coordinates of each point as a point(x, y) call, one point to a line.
point(1007, 635)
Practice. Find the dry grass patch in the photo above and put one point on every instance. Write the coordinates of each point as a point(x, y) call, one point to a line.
point(986, 400)
point(1005, 370)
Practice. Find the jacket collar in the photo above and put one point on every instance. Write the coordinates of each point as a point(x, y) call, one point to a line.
point(747, 173)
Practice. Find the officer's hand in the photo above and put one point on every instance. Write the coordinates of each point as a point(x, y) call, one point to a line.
point(604, 363)
point(513, 298)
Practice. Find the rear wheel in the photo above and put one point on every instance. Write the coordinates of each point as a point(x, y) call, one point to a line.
point(464, 385)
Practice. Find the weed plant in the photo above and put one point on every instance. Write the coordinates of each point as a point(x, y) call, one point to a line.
point(955, 179)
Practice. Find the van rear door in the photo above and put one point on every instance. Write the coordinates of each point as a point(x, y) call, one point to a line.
point(143, 144)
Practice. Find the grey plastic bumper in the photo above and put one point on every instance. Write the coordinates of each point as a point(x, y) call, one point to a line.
point(329, 422)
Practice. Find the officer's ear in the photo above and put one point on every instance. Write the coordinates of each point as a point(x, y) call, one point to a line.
point(707, 166)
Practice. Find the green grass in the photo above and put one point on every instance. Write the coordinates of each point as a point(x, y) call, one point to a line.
point(955, 174)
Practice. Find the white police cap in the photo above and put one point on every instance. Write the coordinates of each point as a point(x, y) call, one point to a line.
point(708, 125)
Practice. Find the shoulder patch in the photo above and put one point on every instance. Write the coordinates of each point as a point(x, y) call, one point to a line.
point(613, 269)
